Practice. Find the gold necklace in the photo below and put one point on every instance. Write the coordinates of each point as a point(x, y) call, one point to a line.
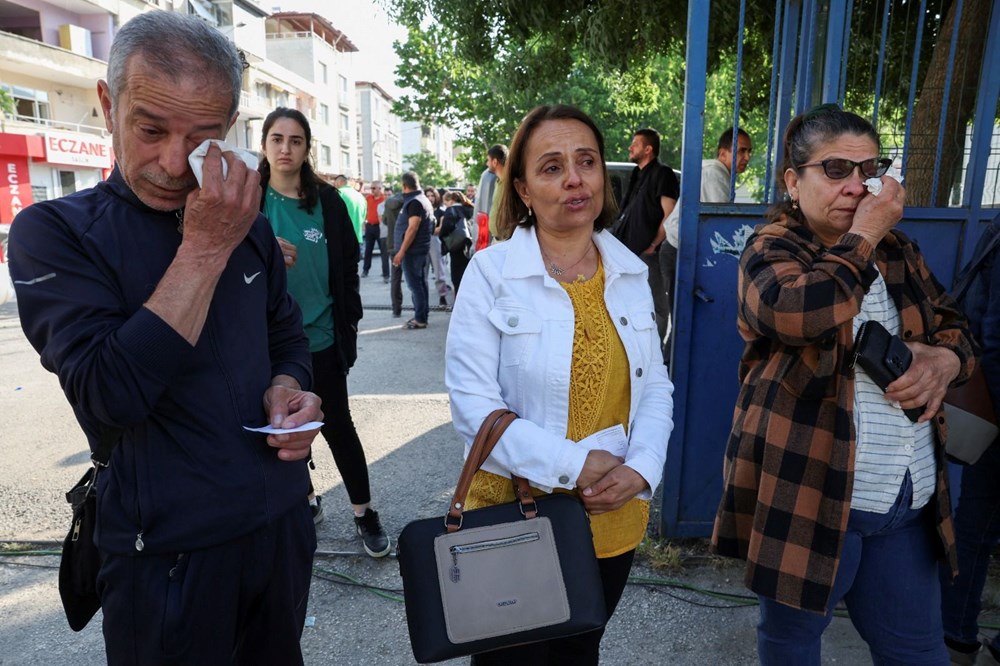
point(555, 270)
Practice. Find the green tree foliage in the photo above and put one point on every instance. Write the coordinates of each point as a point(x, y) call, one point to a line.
point(481, 64)
point(429, 170)
point(7, 105)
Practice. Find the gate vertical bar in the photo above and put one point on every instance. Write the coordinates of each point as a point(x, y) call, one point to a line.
point(982, 138)
point(835, 38)
point(807, 53)
point(914, 72)
point(881, 63)
point(786, 82)
point(680, 362)
point(736, 101)
point(772, 114)
point(848, 14)
point(959, 5)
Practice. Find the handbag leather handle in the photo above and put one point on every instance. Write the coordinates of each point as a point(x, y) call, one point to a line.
point(489, 434)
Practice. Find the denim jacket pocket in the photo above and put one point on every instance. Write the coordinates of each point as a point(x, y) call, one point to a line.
point(641, 321)
point(517, 327)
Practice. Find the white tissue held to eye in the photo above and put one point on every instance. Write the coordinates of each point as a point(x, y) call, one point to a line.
point(874, 185)
point(197, 157)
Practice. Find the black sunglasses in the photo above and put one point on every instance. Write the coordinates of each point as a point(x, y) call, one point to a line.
point(839, 168)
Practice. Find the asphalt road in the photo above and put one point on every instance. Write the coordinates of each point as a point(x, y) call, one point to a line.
point(400, 406)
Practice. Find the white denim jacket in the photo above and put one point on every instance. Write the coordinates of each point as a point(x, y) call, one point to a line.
point(510, 344)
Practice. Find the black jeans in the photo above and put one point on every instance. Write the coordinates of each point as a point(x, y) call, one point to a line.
point(371, 239)
point(241, 602)
point(396, 290)
point(459, 262)
point(579, 650)
point(330, 384)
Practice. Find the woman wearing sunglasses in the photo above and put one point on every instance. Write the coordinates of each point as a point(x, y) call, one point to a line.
point(831, 492)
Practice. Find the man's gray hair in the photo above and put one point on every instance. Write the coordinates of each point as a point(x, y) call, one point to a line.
point(175, 45)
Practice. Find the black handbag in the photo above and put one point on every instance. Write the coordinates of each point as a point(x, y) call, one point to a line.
point(81, 560)
point(502, 575)
point(885, 357)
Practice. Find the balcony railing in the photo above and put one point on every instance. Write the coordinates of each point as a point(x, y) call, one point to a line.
point(48, 123)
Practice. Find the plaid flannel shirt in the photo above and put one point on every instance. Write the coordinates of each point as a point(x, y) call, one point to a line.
point(789, 464)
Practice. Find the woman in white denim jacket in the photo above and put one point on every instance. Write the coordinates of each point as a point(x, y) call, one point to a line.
point(522, 337)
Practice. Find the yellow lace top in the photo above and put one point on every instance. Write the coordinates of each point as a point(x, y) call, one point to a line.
point(599, 399)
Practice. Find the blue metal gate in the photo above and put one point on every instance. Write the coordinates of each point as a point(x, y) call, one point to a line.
point(820, 53)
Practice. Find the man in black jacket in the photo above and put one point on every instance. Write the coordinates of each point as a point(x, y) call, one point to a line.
point(162, 306)
point(652, 193)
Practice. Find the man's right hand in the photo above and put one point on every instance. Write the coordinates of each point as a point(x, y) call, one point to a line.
point(219, 214)
point(217, 217)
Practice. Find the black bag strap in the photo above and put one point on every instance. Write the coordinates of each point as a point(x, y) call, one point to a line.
point(983, 251)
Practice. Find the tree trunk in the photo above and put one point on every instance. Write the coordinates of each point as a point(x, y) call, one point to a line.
point(923, 152)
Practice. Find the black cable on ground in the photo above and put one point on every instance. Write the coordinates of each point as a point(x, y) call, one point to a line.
point(653, 583)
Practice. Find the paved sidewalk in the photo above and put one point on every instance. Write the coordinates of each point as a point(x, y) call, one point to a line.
point(401, 410)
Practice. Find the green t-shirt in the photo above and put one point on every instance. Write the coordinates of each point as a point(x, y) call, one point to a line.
point(308, 279)
point(357, 209)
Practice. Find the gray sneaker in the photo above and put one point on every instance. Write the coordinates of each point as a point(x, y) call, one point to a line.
point(374, 538)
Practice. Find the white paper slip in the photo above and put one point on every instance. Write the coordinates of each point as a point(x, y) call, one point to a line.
point(612, 440)
point(271, 430)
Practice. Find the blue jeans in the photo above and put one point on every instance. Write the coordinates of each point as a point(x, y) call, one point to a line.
point(415, 273)
point(977, 529)
point(888, 578)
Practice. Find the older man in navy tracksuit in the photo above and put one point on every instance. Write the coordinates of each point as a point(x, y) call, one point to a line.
point(162, 307)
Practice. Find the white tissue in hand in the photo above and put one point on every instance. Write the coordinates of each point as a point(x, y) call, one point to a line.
point(197, 157)
point(874, 185)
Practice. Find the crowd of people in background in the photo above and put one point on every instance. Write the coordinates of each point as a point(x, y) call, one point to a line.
point(422, 232)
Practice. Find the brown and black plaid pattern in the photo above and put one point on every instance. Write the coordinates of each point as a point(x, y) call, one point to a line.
point(789, 466)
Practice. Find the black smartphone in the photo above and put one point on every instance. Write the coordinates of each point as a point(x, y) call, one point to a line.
point(884, 357)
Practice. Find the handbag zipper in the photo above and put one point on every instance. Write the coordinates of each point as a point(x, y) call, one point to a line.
point(858, 344)
point(479, 546)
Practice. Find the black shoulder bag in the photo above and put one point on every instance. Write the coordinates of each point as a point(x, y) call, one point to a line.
point(81, 561)
point(501, 575)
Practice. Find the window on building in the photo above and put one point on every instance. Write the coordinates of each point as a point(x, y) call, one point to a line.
point(323, 74)
point(326, 155)
point(324, 114)
point(345, 122)
point(345, 159)
point(29, 104)
point(67, 182)
point(343, 88)
point(425, 131)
